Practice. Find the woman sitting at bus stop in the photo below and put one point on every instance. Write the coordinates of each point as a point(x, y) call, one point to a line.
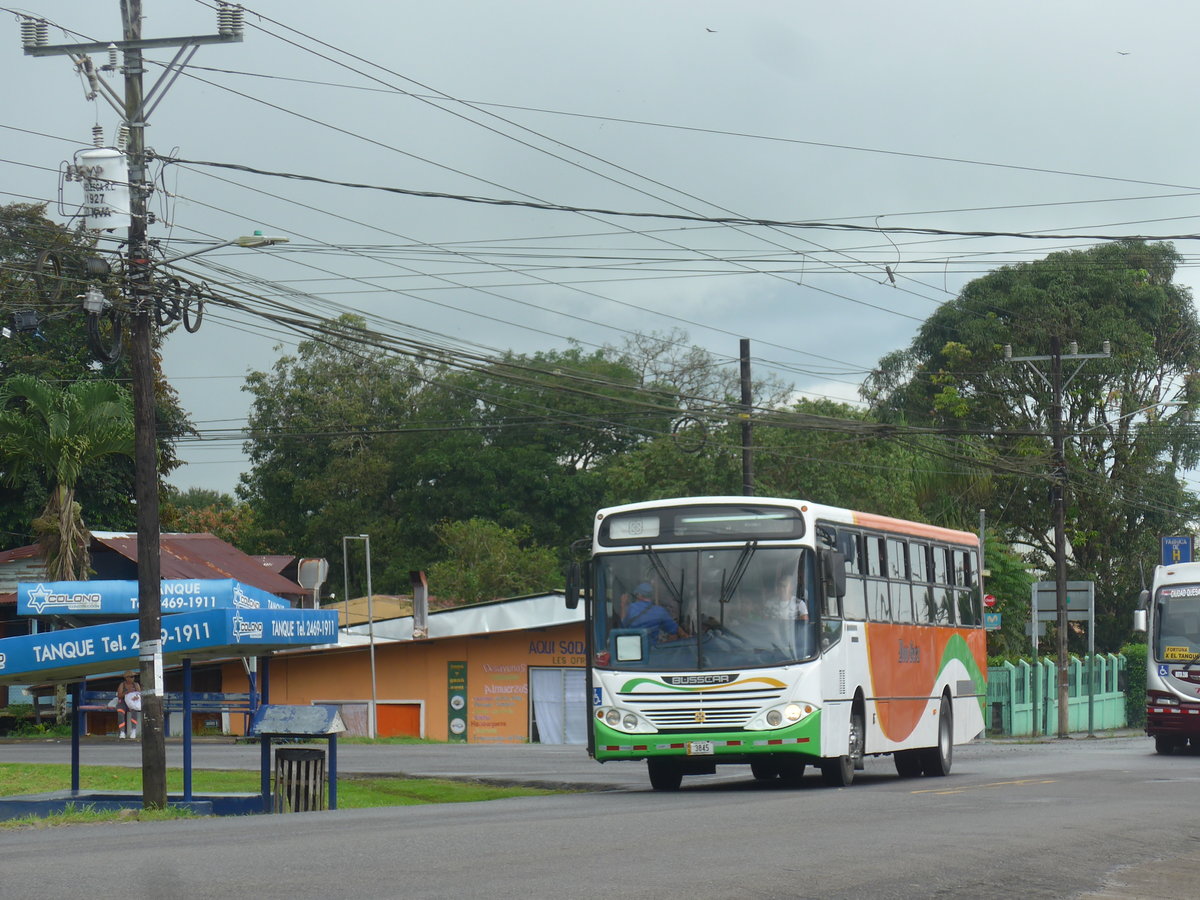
point(129, 697)
point(643, 612)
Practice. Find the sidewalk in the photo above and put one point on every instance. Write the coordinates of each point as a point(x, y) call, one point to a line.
point(1100, 734)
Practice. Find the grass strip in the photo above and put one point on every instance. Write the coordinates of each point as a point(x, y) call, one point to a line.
point(356, 792)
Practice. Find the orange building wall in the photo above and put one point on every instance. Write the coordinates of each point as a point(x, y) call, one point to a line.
point(497, 678)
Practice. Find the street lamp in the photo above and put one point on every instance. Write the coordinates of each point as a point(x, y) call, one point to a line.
point(366, 539)
point(251, 241)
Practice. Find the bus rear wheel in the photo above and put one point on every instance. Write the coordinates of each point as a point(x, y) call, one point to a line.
point(1166, 744)
point(936, 761)
point(908, 763)
point(665, 774)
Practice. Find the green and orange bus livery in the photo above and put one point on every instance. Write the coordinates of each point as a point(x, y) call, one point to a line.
point(779, 634)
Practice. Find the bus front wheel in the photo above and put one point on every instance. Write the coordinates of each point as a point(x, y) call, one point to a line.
point(839, 770)
point(665, 774)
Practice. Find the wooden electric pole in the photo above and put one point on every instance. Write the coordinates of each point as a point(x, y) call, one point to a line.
point(1058, 501)
point(140, 293)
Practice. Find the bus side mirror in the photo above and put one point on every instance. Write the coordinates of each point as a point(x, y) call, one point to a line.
point(1141, 614)
point(572, 593)
point(833, 564)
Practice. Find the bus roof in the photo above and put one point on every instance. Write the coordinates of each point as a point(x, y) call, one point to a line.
point(818, 512)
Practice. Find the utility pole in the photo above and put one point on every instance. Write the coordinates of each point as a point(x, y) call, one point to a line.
point(747, 431)
point(135, 108)
point(1058, 499)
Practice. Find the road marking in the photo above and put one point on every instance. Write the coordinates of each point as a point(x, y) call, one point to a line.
point(994, 784)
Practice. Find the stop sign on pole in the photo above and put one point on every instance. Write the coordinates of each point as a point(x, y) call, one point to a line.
point(989, 601)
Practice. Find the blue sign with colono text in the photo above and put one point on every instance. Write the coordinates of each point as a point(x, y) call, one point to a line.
point(100, 648)
point(120, 598)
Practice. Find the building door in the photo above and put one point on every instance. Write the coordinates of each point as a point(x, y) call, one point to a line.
point(558, 706)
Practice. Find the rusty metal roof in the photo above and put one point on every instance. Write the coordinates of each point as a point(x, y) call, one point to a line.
point(204, 556)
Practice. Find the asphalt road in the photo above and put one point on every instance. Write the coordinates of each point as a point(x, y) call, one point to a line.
point(1084, 817)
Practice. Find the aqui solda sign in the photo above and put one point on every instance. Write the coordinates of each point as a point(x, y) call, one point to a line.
point(456, 707)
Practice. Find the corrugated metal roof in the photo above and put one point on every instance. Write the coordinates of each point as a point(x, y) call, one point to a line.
point(515, 614)
point(204, 556)
point(19, 564)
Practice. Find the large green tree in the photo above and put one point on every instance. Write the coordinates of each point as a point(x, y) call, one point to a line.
point(352, 441)
point(819, 450)
point(43, 270)
point(58, 433)
point(485, 561)
point(1127, 419)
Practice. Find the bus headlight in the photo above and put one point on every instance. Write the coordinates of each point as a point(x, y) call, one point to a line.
point(624, 720)
point(780, 716)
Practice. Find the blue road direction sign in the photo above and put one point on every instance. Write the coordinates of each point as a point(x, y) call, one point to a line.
point(120, 598)
point(74, 653)
point(1176, 550)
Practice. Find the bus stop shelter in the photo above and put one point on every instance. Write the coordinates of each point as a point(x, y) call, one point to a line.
point(254, 627)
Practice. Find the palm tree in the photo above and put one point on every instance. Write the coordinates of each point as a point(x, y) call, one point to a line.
point(58, 432)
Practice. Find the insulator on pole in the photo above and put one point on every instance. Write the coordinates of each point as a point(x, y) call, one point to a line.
point(34, 32)
point(230, 19)
point(97, 135)
point(113, 62)
point(122, 136)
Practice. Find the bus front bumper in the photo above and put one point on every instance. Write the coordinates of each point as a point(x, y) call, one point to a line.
point(801, 739)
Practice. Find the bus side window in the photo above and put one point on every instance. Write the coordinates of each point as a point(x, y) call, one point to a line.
point(942, 595)
point(878, 601)
point(902, 609)
point(918, 567)
point(968, 591)
point(854, 603)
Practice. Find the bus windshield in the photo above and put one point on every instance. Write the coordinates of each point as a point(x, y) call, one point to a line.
point(1177, 637)
point(704, 609)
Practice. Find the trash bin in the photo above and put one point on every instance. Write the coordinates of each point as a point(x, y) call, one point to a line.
point(299, 779)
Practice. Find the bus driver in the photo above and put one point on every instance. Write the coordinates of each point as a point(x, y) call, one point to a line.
point(643, 612)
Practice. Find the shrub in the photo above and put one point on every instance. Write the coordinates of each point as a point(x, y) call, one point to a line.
point(1135, 684)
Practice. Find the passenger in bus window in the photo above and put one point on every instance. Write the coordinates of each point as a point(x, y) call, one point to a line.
point(643, 612)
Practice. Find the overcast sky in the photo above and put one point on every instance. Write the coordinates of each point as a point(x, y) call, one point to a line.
point(1069, 118)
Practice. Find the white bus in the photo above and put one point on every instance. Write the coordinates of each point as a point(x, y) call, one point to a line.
point(1170, 614)
point(779, 633)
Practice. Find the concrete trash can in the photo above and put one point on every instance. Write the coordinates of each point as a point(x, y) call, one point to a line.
point(299, 779)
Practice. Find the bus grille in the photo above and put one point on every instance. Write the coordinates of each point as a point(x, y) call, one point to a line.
point(671, 710)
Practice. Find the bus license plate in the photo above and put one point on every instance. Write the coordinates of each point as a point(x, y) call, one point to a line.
point(700, 748)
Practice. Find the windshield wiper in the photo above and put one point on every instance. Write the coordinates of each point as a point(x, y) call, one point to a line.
point(739, 569)
point(661, 571)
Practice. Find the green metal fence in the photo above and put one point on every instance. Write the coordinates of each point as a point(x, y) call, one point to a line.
point(1022, 698)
